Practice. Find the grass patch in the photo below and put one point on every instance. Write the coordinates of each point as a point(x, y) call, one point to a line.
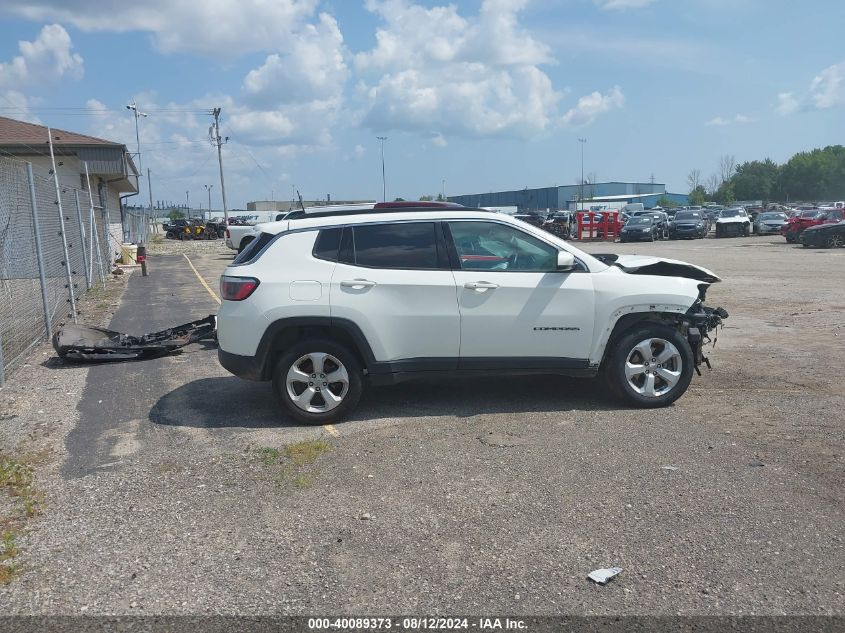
point(268, 456)
point(294, 461)
point(307, 452)
point(16, 478)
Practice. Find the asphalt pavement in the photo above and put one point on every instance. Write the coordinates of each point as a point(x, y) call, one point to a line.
point(185, 490)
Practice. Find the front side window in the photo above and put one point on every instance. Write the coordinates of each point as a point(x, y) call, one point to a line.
point(403, 245)
point(494, 246)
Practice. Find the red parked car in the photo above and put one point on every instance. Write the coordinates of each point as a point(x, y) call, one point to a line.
point(802, 219)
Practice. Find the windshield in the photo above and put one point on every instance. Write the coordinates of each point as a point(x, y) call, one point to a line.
point(811, 214)
point(729, 213)
point(687, 215)
point(773, 216)
point(639, 220)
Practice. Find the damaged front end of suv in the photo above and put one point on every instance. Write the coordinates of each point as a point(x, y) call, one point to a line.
point(699, 321)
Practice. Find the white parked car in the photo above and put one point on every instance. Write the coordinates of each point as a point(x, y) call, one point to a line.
point(733, 221)
point(328, 303)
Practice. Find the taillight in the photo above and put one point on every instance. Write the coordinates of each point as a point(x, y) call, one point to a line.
point(237, 288)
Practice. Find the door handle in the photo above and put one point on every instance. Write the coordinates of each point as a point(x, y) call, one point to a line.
point(357, 283)
point(480, 285)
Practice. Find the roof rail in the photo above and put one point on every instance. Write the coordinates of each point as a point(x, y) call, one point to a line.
point(405, 207)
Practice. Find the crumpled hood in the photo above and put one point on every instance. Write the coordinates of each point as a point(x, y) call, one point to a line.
point(731, 220)
point(660, 266)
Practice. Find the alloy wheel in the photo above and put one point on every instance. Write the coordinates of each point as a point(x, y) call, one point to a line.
point(317, 382)
point(653, 367)
point(835, 241)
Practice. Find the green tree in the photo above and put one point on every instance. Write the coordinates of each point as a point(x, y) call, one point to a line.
point(815, 175)
point(755, 180)
point(698, 196)
point(175, 214)
point(666, 203)
point(399, 200)
point(426, 198)
point(725, 195)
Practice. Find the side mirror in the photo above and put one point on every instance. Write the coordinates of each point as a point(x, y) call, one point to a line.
point(565, 261)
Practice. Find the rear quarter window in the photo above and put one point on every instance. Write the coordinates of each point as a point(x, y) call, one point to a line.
point(254, 249)
point(327, 244)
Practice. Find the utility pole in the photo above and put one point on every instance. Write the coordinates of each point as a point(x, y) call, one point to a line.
point(208, 189)
point(217, 140)
point(383, 181)
point(583, 141)
point(149, 219)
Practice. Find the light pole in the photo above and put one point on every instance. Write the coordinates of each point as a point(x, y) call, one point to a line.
point(208, 188)
point(383, 181)
point(134, 107)
point(188, 203)
point(443, 190)
point(583, 142)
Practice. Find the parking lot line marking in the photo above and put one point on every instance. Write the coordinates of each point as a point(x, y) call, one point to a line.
point(202, 281)
point(331, 430)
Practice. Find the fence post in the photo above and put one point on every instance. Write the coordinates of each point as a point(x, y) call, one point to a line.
point(36, 228)
point(82, 241)
point(62, 228)
point(94, 234)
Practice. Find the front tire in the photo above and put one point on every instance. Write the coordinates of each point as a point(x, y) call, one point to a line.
point(650, 366)
point(318, 381)
point(835, 241)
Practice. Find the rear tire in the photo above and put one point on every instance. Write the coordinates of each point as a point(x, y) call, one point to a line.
point(303, 385)
point(650, 366)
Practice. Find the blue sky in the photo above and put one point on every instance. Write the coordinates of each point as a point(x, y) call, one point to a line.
point(485, 95)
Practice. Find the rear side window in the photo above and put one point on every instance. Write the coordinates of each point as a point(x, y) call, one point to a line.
point(327, 244)
point(404, 245)
point(253, 250)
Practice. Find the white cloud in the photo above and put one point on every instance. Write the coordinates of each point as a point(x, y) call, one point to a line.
point(439, 141)
point(17, 105)
point(622, 4)
point(828, 88)
point(437, 72)
point(47, 58)
point(312, 67)
point(591, 106)
point(220, 28)
point(721, 121)
point(359, 151)
point(787, 103)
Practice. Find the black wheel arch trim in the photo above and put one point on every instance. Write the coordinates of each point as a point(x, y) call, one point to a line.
point(275, 329)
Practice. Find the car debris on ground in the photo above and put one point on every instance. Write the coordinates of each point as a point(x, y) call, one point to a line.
point(604, 575)
point(87, 344)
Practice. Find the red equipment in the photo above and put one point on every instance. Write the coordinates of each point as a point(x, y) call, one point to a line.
point(598, 225)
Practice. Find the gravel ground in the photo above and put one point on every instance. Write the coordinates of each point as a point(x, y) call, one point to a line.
point(160, 246)
point(177, 489)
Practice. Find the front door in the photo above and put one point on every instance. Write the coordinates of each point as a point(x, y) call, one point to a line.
point(514, 303)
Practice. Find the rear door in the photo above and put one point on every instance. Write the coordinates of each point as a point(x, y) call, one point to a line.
point(515, 306)
point(393, 281)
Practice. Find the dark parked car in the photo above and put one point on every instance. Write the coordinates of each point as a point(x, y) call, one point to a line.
point(534, 219)
point(559, 224)
point(640, 228)
point(824, 236)
point(691, 224)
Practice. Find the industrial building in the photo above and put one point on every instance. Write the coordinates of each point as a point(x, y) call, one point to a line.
point(604, 194)
point(287, 205)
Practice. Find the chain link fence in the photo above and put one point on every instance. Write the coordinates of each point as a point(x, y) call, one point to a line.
point(54, 246)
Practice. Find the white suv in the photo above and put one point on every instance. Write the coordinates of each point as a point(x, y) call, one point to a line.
point(328, 303)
